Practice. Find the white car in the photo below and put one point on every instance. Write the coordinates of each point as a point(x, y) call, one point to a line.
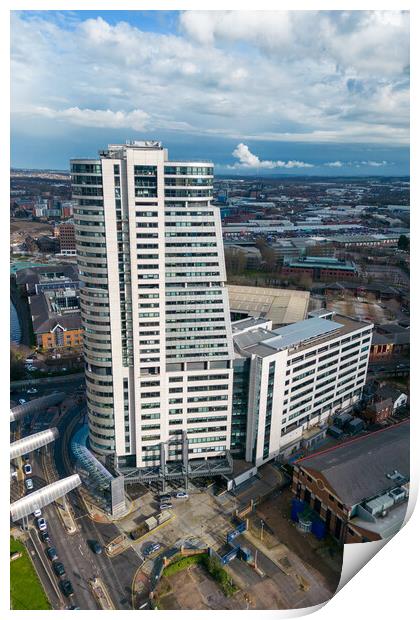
point(27, 468)
point(181, 495)
point(21, 401)
point(38, 513)
point(42, 524)
point(29, 484)
point(32, 391)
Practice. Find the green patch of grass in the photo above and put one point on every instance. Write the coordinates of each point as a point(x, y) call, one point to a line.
point(183, 563)
point(26, 591)
point(220, 576)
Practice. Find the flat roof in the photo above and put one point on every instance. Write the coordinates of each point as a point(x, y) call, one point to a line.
point(251, 321)
point(302, 331)
point(281, 306)
point(299, 336)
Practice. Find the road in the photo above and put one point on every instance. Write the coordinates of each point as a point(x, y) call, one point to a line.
point(74, 551)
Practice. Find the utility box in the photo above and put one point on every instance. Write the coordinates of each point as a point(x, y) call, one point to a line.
point(151, 523)
point(163, 516)
point(336, 432)
point(341, 420)
point(355, 426)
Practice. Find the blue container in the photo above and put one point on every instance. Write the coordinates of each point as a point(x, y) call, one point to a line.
point(319, 529)
point(297, 506)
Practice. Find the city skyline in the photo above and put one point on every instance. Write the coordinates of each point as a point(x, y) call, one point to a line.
point(206, 76)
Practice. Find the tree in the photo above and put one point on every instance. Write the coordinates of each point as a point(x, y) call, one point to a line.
point(17, 366)
point(404, 243)
point(235, 261)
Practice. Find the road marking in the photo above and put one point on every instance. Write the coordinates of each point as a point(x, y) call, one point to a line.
point(80, 549)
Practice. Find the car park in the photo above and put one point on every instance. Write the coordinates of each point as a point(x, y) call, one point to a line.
point(29, 484)
point(151, 548)
point(52, 553)
point(66, 587)
point(59, 568)
point(27, 468)
point(42, 524)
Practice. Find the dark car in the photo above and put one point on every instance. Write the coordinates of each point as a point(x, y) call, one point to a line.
point(52, 553)
point(66, 587)
point(151, 548)
point(45, 537)
point(164, 498)
point(96, 547)
point(59, 568)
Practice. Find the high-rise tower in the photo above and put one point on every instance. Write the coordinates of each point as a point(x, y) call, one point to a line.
point(157, 338)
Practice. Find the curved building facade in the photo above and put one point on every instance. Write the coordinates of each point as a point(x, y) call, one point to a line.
point(157, 340)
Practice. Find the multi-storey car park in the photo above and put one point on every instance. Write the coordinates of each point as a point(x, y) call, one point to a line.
point(291, 379)
point(157, 341)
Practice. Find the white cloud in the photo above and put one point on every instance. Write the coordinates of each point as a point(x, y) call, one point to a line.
point(300, 76)
point(357, 164)
point(374, 164)
point(136, 119)
point(249, 160)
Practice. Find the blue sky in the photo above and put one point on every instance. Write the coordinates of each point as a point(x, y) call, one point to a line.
point(313, 93)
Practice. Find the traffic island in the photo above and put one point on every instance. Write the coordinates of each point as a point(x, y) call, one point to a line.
point(117, 546)
point(101, 593)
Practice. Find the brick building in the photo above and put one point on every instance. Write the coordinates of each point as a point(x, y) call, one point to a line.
point(378, 411)
point(67, 239)
point(359, 488)
point(320, 268)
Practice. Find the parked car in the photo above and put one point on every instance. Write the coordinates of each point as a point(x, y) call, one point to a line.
point(21, 401)
point(66, 587)
point(27, 468)
point(164, 498)
point(52, 553)
point(181, 495)
point(151, 548)
point(165, 506)
point(45, 537)
point(29, 484)
point(96, 547)
point(32, 391)
point(42, 524)
point(59, 568)
point(38, 513)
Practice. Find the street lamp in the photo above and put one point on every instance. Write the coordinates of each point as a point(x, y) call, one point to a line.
point(262, 528)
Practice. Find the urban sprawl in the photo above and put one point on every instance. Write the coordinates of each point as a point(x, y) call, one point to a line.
point(207, 373)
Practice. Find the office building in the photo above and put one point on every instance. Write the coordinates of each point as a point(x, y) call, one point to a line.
point(360, 488)
point(320, 268)
point(289, 381)
point(67, 239)
point(158, 347)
